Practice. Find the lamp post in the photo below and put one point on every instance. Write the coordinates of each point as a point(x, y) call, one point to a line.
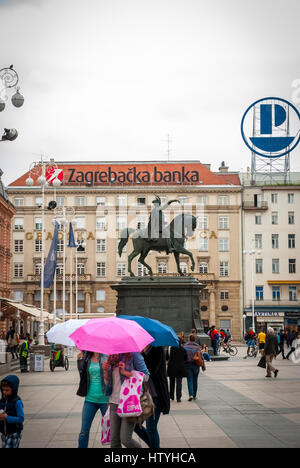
point(9, 79)
point(80, 248)
point(253, 253)
point(38, 170)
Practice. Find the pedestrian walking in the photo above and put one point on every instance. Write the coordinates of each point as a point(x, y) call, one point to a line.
point(13, 343)
point(176, 358)
point(261, 338)
point(24, 352)
point(294, 345)
point(155, 360)
point(271, 351)
point(194, 332)
point(11, 412)
point(215, 338)
point(116, 368)
point(91, 387)
point(192, 369)
point(282, 339)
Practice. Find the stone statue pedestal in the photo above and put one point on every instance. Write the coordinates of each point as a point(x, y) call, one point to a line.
point(174, 300)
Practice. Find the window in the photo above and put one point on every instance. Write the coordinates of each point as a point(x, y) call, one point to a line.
point(80, 295)
point(258, 241)
point(80, 223)
point(203, 267)
point(19, 201)
point(224, 244)
point(79, 201)
point(290, 198)
point(224, 269)
point(38, 246)
point(60, 201)
point(274, 197)
point(224, 295)
point(142, 270)
point(80, 269)
point(259, 293)
point(59, 269)
point(183, 267)
point(202, 199)
point(121, 269)
point(141, 222)
point(60, 245)
point(258, 265)
point(101, 269)
point(18, 296)
point(274, 217)
point(19, 246)
point(275, 265)
point(100, 245)
point(18, 270)
point(38, 225)
point(291, 217)
point(292, 293)
point(121, 200)
point(202, 222)
point(223, 200)
point(223, 222)
point(38, 269)
point(276, 293)
point(203, 245)
point(258, 219)
point(100, 224)
point(225, 325)
point(292, 265)
point(292, 241)
point(39, 202)
point(121, 223)
point(19, 224)
point(100, 201)
point(100, 295)
point(275, 241)
point(162, 267)
point(141, 201)
point(37, 295)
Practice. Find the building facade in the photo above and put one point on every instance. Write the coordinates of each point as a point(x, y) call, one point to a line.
point(271, 228)
point(109, 197)
point(7, 212)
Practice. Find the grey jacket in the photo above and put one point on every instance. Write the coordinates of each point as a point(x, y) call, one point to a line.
point(271, 346)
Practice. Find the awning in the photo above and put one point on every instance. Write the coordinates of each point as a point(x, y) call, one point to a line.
point(27, 309)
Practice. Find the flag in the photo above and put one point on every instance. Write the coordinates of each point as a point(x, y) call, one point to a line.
point(72, 242)
point(50, 265)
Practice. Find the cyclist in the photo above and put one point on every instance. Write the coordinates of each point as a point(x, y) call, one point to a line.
point(223, 339)
point(58, 355)
point(250, 338)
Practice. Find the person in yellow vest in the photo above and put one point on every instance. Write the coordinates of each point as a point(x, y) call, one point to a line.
point(261, 337)
point(24, 351)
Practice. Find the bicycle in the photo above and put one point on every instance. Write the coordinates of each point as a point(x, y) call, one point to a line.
point(58, 360)
point(228, 348)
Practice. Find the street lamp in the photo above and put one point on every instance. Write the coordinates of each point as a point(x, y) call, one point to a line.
point(252, 254)
point(9, 79)
point(38, 170)
point(80, 248)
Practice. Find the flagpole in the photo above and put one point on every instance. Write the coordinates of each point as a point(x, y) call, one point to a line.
point(41, 327)
point(54, 286)
point(64, 266)
point(71, 292)
point(76, 285)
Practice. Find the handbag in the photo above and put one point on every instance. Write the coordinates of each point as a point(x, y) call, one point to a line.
point(147, 407)
point(105, 428)
point(198, 359)
point(262, 362)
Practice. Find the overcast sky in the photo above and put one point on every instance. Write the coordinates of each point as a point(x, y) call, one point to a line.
point(107, 80)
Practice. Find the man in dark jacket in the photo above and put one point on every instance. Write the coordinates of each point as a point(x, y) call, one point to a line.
point(271, 351)
point(176, 370)
point(11, 412)
point(155, 360)
point(282, 338)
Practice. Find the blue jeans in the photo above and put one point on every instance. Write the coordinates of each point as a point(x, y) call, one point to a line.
point(150, 434)
point(88, 413)
point(215, 344)
point(192, 379)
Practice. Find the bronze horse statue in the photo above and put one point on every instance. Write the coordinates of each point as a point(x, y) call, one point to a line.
point(180, 228)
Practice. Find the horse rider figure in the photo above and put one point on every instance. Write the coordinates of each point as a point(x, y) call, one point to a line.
point(157, 223)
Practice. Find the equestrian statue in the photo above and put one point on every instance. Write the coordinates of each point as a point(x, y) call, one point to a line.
point(160, 237)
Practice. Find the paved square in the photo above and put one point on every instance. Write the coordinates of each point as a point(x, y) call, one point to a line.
point(236, 407)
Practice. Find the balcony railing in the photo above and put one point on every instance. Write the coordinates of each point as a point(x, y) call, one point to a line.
point(250, 205)
point(59, 278)
point(283, 302)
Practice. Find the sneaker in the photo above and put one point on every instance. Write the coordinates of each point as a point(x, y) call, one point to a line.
point(190, 399)
point(178, 401)
point(269, 376)
point(276, 373)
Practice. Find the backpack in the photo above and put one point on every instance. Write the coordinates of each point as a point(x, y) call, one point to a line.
point(147, 406)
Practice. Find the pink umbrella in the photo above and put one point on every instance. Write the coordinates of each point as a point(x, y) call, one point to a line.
point(111, 335)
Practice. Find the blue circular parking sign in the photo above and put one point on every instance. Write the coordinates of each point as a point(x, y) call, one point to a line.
point(278, 131)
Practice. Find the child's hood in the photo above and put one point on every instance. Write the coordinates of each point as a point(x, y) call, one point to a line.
point(13, 382)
